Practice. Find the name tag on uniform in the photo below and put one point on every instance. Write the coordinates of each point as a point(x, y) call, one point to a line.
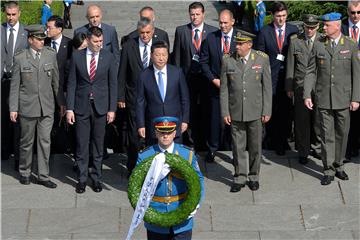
point(196, 58)
point(280, 57)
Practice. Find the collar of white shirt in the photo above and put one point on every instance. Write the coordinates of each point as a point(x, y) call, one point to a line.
point(142, 44)
point(89, 52)
point(16, 27)
point(170, 149)
point(283, 27)
point(156, 70)
point(58, 42)
point(201, 27)
point(228, 34)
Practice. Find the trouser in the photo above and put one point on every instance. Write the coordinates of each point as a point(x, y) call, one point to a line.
point(306, 124)
point(171, 236)
point(90, 128)
point(133, 139)
point(67, 18)
point(334, 133)
point(42, 126)
point(246, 134)
point(354, 132)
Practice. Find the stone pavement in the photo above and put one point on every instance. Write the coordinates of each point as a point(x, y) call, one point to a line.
point(290, 204)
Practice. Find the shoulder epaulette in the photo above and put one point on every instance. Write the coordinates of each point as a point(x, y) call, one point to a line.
point(144, 149)
point(262, 54)
point(20, 51)
point(187, 147)
point(50, 48)
point(226, 56)
point(350, 39)
point(293, 36)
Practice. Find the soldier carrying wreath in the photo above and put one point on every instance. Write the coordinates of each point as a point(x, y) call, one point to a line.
point(177, 195)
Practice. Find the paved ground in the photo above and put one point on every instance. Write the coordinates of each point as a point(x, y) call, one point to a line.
point(290, 204)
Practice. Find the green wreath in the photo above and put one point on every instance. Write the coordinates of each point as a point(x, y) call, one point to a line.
point(172, 218)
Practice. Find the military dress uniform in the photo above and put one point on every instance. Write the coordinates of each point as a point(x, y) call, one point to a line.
point(334, 74)
point(171, 190)
point(246, 96)
point(306, 124)
point(34, 87)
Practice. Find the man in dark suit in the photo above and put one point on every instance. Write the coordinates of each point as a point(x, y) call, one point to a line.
point(148, 12)
point(13, 39)
point(91, 103)
point(214, 47)
point(186, 54)
point(135, 57)
point(162, 91)
point(273, 39)
point(111, 42)
point(351, 27)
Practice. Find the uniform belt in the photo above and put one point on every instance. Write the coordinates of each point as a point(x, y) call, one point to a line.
point(169, 199)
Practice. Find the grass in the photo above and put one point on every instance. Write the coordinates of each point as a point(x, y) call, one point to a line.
point(31, 11)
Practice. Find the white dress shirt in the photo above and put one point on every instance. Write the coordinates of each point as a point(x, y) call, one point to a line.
point(58, 42)
point(141, 49)
point(88, 59)
point(15, 33)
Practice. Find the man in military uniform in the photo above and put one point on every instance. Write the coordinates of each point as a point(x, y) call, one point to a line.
point(297, 61)
point(34, 85)
point(245, 101)
point(171, 190)
point(334, 74)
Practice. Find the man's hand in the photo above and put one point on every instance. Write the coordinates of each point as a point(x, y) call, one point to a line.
point(13, 116)
point(290, 94)
point(70, 117)
point(184, 127)
point(141, 132)
point(216, 82)
point(354, 106)
point(308, 103)
point(110, 117)
point(265, 119)
point(227, 120)
point(121, 105)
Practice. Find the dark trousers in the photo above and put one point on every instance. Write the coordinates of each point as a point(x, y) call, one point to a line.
point(277, 129)
point(10, 132)
point(354, 134)
point(67, 19)
point(133, 139)
point(90, 128)
point(171, 236)
point(218, 134)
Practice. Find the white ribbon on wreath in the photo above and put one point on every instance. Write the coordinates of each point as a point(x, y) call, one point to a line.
point(158, 170)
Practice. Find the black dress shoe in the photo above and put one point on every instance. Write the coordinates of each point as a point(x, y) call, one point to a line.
point(342, 175)
point(210, 157)
point(48, 183)
point(326, 180)
point(303, 160)
point(236, 187)
point(24, 180)
point(253, 185)
point(316, 155)
point(80, 187)
point(97, 187)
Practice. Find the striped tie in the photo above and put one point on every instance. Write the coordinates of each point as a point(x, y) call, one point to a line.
point(145, 57)
point(92, 67)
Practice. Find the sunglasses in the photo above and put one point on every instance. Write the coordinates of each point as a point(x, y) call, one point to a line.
point(355, 12)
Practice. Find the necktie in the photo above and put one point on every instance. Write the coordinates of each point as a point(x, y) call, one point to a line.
point(37, 56)
point(10, 47)
point(243, 61)
point(226, 47)
point(354, 32)
point(145, 57)
point(309, 43)
point(54, 45)
point(280, 34)
point(161, 85)
point(196, 35)
point(92, 67)
point(333, 44)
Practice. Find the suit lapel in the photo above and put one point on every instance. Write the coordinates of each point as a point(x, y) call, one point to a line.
point(250, 61)
point(232, 43)
point(32, 60)
point(169, 82)
point(218, 43)
point(188, 38)
point(19, 36)
point(83, 62)
point(273, 35)
point(328, 47)
point(137, 52)
point(154, 83)
point(99, 64)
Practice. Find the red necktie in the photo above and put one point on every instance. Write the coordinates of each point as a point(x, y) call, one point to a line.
point(92, 67)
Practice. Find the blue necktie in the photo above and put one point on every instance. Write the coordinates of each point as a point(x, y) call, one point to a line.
point(161, 85)
point(196, 36)
point(280, 34)
point(54, 45)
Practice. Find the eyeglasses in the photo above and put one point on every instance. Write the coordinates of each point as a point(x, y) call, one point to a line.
point(355, 12)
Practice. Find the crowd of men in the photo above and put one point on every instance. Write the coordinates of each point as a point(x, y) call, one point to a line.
point(223, 84)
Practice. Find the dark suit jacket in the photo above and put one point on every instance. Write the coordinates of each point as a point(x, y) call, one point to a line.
point(150, 104)
point(63, 57)
point(159, 35)
point(184, 49)
point(21, 42)
point(345, 29)
point(266, 42)
point(111, 42)
point(211, 56)
point(103, 87)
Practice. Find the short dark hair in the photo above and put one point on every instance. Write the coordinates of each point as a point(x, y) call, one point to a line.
point(196, 5)
point(59, 23)
point(146, 8)
point(11, 4)
point(78, 39)
point(278, 7)
point(96, 31)
point(159, 44)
